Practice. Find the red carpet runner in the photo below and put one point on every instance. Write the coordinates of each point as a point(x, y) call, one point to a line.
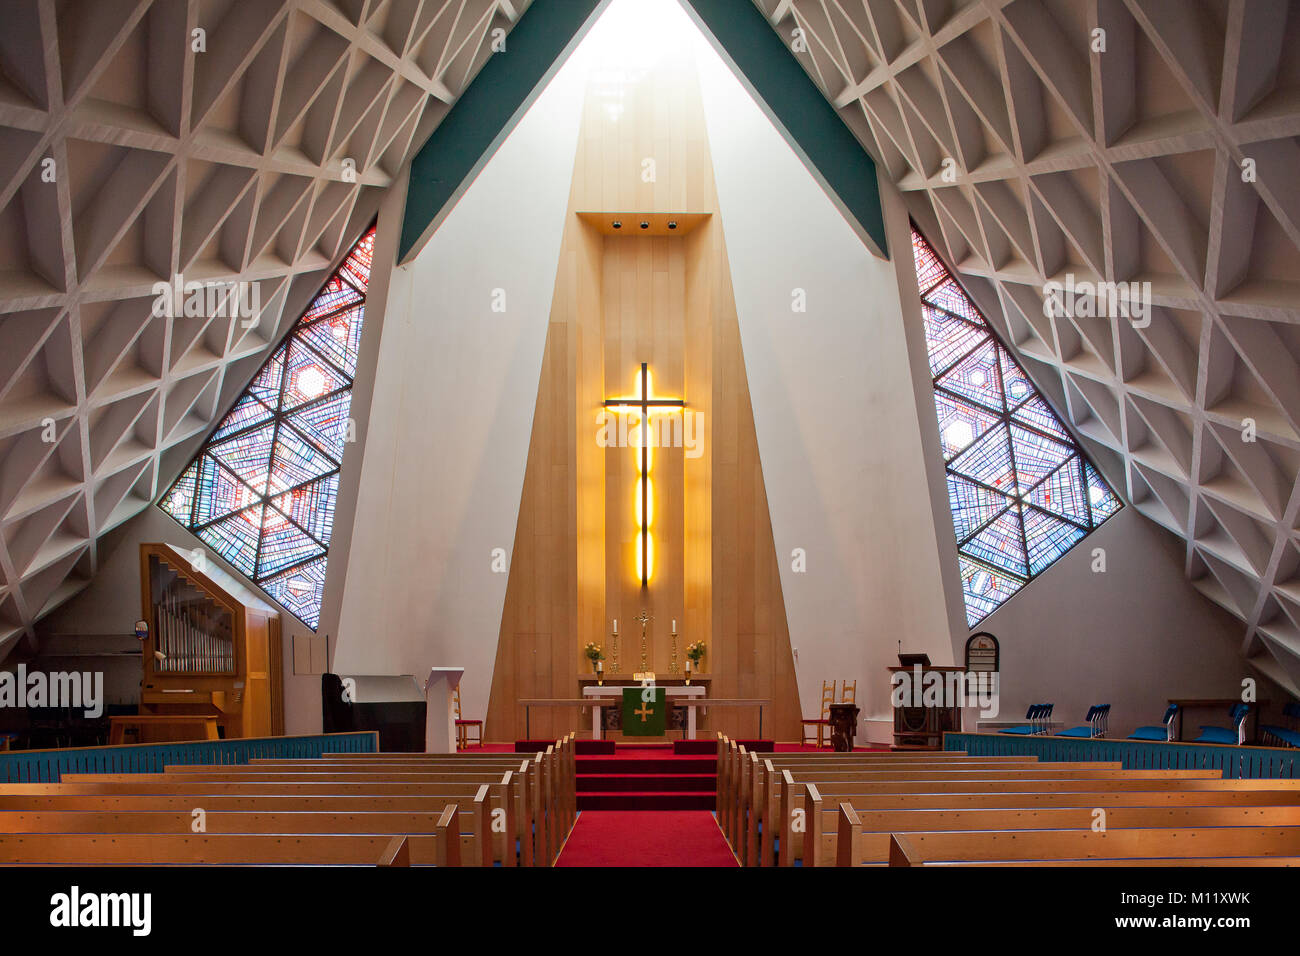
point(646, 838)
point(646, 777)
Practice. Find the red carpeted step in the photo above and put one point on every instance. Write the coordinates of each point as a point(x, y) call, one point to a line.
point(589, 747)
point(649, 763)
point(695, 747)
point(646, 800)
point(594, 782)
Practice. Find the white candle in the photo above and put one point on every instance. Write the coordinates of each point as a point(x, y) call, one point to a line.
point(688, 665)
point(674, 625)
point(600, 667)
point(615, 625)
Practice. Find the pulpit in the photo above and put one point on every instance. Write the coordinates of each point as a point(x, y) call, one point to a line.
point(924, 707)
point(440, 731)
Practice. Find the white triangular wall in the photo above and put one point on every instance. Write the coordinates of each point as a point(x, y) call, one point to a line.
point(451, 413)
point(834, 407)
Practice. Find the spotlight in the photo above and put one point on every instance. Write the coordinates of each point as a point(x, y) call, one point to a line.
point(644, 224)
point(672, 223)
point(617, 223)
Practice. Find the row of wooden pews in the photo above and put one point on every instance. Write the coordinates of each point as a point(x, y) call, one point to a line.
point(481, 809)
point(928, 808)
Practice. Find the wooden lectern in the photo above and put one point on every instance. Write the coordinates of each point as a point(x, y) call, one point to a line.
point(440, 731)
point(921, 727)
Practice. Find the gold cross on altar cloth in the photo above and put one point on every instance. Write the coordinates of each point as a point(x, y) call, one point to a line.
point(644, 712)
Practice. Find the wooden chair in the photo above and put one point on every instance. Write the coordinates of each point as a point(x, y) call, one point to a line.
point(463, 727)
point(822, 722)
point(848, 692)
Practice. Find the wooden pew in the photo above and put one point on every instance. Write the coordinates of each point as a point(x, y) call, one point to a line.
point(747, 798)
point(729, 759)
point(780, 789)
point(154, 849)
point(817, 845)
point(741, 769)
point(503, 794)
point(1202, 846)
point(559, 774)
point(544, 822)
point(546, 804)
point(1129, 781)
point(766, 797)
point(289, 808)
point(870, 833)
point(542, 776)
point(557, 793)
point(735, 764)
point(421, 830)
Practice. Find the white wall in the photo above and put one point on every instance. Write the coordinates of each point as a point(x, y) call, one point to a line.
point(835, 409)
point(450, 416)
point(1132, 637)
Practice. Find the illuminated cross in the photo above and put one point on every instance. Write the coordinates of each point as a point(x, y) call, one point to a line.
point(644, 712)
point(644, 403)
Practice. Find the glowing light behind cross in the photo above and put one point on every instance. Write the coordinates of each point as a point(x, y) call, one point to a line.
point(644, 404)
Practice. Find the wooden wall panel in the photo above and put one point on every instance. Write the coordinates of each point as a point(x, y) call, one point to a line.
point(622, 299)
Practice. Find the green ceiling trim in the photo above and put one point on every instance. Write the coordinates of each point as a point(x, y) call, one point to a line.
point(540, 42)
point(488, 110)
point(811, 125)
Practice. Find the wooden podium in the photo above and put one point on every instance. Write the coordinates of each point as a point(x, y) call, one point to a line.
point(922, 727)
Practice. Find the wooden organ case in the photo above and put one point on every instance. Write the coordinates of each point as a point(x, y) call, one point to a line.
point(213, 647)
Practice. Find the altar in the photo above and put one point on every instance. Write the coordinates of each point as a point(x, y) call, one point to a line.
point(691, 696)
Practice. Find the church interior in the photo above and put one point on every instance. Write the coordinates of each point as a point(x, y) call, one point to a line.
point(649, 433)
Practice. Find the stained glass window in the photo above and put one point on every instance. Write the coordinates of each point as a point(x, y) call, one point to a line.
point(1020, 489)
point(262, 490)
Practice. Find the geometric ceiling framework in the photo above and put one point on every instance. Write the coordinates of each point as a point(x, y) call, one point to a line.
point(1117, 141)
point(1020, 490)
point(263, 490)
point(140, 140)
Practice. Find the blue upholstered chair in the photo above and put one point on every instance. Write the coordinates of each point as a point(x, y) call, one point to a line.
point(1038, 715)
point(1288, 733)
point(1165, 732)
point(1097, 719)
point(1227, 735)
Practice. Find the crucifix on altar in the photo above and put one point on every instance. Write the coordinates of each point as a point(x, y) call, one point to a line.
point(644, 404)
point(642, 425)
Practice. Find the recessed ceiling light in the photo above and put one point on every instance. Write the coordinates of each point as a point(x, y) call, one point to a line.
point(617, 223)
point(672, 223)
point(644, 224)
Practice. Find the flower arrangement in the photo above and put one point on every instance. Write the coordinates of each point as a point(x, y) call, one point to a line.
point(594, 652)
point(695, 651)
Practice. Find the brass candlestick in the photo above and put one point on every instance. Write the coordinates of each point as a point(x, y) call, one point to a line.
point(614, 658)
point(672, 663)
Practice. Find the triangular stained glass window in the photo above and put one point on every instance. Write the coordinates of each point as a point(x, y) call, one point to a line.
point(262, 490)
point(1020, 490)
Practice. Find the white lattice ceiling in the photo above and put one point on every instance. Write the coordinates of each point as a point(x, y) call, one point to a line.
point(1128, 164)
point(128, 157)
